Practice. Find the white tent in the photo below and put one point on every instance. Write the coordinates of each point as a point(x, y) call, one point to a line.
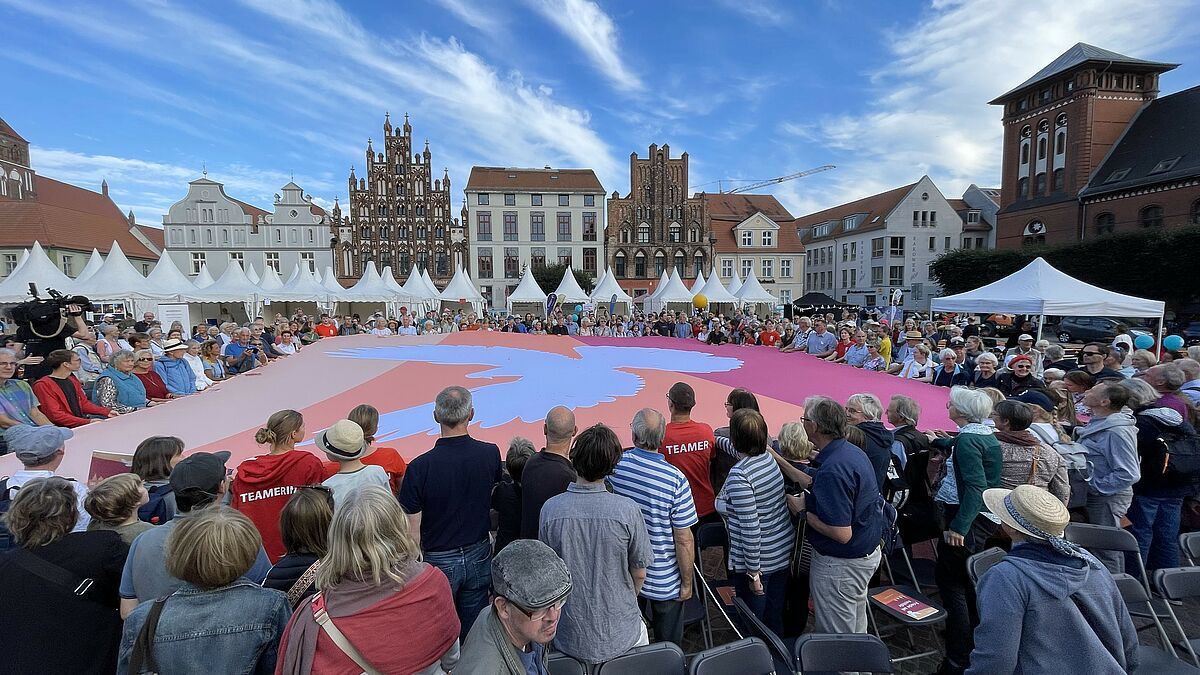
point(270, 281)
point(168, 282)
point(648, 300)
point(673, 292)
point(116, 280)
point(698, 283)
point(369, 288)
point(251, 274)
point(233, 286)
point(330, 283)
point(22, 259)
point(204, 278)
point(715, 293)
point(37, 269)
point(753, 292)
point(608, 287)
point(527, 291)
point(301, 287)
point(429, 285)
point(461, 290)
point(569, 289)
point(94, 263)
point(396, 292)
point(1040, 289)
point(735, 283)
point(416, 288)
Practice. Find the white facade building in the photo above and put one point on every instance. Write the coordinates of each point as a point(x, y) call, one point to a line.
point(755, 232)
point(210, 228)
point(522, 217)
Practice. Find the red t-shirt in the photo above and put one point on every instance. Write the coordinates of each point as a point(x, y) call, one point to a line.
point(841, 348)
point(688, 446)
point(769, 338)
point(325, 330)
point(263, 486)
point(387, 458)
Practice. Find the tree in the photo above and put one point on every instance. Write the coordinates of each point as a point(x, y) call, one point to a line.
point(548, 277)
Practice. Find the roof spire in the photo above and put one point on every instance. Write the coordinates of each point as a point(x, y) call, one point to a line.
point(204, 169)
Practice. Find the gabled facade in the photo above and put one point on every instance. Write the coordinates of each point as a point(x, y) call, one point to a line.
point(755, 232)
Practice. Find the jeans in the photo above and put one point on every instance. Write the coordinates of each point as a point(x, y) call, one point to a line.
point(839, 591)
point(1155, 523)
point(957, 591)
point(469, 570)
point(666, 617)
point(1108, 510)
point(768, 607)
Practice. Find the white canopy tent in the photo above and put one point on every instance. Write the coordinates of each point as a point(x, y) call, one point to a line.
point(416, 288)
point(169, 282)
point(608, 287)
point(22, 259)
point(527, 292)
point(429, 285)
point(753, 292)
point(94, 263)
point(649, 300)
point(1039, 288)
point(569, 289)
point(38, 269)
point(252, 274)
point(203, 278)
point(698, 283)
point(673, 292)
point(233, 286)
point(116, 279)
point(270, 282)
point(715, 293)
point(461, 291)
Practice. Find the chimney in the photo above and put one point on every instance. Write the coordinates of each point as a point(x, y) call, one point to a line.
point(104, 187)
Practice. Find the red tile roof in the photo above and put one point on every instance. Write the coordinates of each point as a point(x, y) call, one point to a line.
point(154, 234)
point(875, 206)
point(550, 180)
point(7, 130)
point(69, 217)
point(726, 211)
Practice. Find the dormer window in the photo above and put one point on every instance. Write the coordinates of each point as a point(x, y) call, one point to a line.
point(747, 238)
point(1117, 175)
point(1165, 165)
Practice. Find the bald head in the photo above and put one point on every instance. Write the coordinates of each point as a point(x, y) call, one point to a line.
point(560, 426)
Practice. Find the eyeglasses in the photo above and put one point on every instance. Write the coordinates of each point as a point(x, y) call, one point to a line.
point(145, 359)
point(8, 364)
point(1089, 353)
point(1021, 367)
point(539, 614)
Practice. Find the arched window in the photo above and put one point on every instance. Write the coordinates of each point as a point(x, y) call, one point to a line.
point(366, 232)
point(694, 235)
point(1025, 153)
point(405, 261)
point(626, 234)
point(639, 265)
point(680, 263)
point(1060, 180)
point(443, 265)
point(697, 264)
point(385, 259)
point(1023, 188)
point(439, 232)
point(1151, 216)
point(674, 234)
point(660, 264)
point(422, 233)
point(619, 264)
point(1194, 217)
point(1105, 222)
point(1042, 148)
point(422, 260)
point(643, 233)
point(403, 232)
point(1039, 184)
point(1060, 143)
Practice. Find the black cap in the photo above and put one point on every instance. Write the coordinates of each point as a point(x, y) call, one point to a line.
point(682, 395)
point(201, 471)
point(1035, 397)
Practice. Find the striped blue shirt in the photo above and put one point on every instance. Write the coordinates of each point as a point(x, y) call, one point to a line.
point(662, 493)
point(756, 516)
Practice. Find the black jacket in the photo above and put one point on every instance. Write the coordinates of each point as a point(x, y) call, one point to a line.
point(878, 449)
point(288, 570)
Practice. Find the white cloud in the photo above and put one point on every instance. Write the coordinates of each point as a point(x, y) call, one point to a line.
point(929, 112)
point(761, 12)
point(482, 18)
point(593, 31)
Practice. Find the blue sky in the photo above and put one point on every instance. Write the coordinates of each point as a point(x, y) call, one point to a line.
point(146, 93)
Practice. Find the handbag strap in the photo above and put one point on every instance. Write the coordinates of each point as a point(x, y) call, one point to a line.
point(297, 590)
point(1037, 450)
point(339, 638)
point(48, 571)
point(143, 647)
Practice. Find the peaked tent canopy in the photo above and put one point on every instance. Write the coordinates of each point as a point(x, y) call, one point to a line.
point(233, 286)
point(204, 278)
point(569, 289)
point(461, 288)
point(428, 281)
point(94, 263)
point(527, 291)
point(394, 290)
point(116, 280)
point(674, 291)
point(302, 286)
point(735, 283)
point(168, 281)
point(814, 300)
point(607, 288)
point(330, 283)
point(714, 292)
point(369, 288)
point(251, 274)
point(270, 281)
point(415, 286)
point(662, 284)
point(22, 259)
point(37, 269)
point(698, 283)
point(752, 291)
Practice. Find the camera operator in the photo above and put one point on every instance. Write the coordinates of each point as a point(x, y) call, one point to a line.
point(44, 326)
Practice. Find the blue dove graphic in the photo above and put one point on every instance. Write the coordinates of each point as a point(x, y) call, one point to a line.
point(544, 380)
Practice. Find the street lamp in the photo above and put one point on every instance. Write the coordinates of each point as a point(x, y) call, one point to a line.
point(712, 245)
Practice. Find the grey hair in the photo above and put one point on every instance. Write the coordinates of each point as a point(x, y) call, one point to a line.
point(947, 353)
point(241, 330)
point(1150, 357)
point(1171, 376)
point(519, 445)
point(5, 351)
point(649, 428)
point(793, 442)
point(121, 355)
point(989, 357)
point(827, 415)
point(1190, 368)
point(907, 409)
point(452, 406)
point(871, 406)
point(1141, 393)
point(1055, 352)
point(972, 404)
point(1053, 374)
point(143, 351)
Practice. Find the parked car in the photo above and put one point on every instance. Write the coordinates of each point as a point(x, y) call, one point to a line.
point(1093, 329)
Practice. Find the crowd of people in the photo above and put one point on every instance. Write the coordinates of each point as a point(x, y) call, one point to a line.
point(486, 562)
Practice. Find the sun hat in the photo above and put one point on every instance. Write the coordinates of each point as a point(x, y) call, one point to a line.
point(342, 441)
point(914, 335)
point(174, 345)
point(1036, 513)
point(530, 574)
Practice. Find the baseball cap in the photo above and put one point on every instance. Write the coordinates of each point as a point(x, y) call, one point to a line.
point(682, 395)
point(1024, 337)
point(957, 341)
point(530, 574)
point(1035, 397)
point(201, 471)
point(34, 445)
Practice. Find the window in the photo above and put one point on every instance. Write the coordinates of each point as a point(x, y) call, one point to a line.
point(675, 233)
point(564, 256)
point(512, 264)
point(589, 226)
point(768, 268)
point(589, 200)
point(727, 267)
point(537, 226)
point(564, 226)
point(484, 199)
point(510, 226)
point(537, 257)
point(1024, 153)
point(854, 250)
point(877, 248)
point(896, 275)
point(1117, 175)
point(145, 269)
point(10, 263)
point(564, 200)
point(924, 218)
point(589, 260)
point(197, 262)
point(768, 238)
point(1060, 142)
point(1060, 180)
point(483, 225)
point(68, 265)
point(946, 244)
point(933, 218)
point(785, 268)
point(896, 246)
point(966, 242)
point(660, 264)
point(845, 278)
point(747, 268)
point(1041, 148)
point(972, 217)
point(639, 265)
point(876, 276)
point(697, 264)
point(405, 260)
point(619, 264)
point(1039, 186)
point(309, 259)
point(679, 263)
point(1165, 165)
point(535, 200)
point(237, 257)
point(978, 242)
point(933, 243)
point(271, 260)
point(845, 252)
point(643, 233)
point(442, 264)
point(1033, 240)
point(1105, 222)
point(224, 237)
point(747, 238)
point(1151, 216)
point(510, 199)
point(1023, 188)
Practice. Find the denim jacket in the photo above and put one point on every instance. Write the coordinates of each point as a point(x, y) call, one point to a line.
point(232, 629)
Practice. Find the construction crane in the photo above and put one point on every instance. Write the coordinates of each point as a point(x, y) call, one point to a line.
point(774, 181)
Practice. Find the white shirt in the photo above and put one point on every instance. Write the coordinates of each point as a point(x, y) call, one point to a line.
point(406, 330)
point(286, 347)
point(202, 381)
point(23, 476)
point(381, 331)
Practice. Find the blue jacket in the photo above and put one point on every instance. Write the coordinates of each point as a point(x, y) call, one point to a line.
point(1112, 451)
point(1043, 612)
point(232, 629)
point(177, 375)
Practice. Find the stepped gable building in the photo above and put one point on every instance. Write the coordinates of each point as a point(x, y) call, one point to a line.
point(657, 224)
point(1089, 149)
point(398, 214)
point(69, 221)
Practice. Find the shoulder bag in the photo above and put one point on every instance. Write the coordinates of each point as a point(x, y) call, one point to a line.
point(339, 638)
point(57, 576)
point(297, 590)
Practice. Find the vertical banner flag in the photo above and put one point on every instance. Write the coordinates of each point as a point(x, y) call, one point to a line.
point(612, 305)
point(551, 301)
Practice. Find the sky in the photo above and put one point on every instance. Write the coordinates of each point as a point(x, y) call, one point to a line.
point(148, 94)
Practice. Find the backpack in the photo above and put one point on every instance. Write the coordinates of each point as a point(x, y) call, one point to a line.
point(1074, 456)
point(157, 511)
point(889, 540)
point(6, 539)
point(1175, 449)
point(895, 486)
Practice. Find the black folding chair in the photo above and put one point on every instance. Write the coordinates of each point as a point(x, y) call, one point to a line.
point(748, 656)
point(1189, 546)
point(562, 664)
point(1152, 659)
point(780, 647)
point(1179, 583)
point(660, 657)
point(882, 598)
point(1104, 538)
point(842, 652)
point(710, 535)
point(984, 561)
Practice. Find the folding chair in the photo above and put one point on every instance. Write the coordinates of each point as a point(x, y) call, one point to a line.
point(562, 664)
point(834, 652)
point(905, 605)
point(780, 647)
point(1189, 546)
point(661, 657)
point(1152, 659)
point(1179, 583)
point(748, 656)
point(1104, 538)
point(984, 561)
point(710, 535)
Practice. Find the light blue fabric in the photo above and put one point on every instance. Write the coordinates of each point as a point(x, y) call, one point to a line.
point(130, 390)
point(177, 375)
point(1112, 451)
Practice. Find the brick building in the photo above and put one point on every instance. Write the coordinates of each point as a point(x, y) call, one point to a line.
point(1089, 149)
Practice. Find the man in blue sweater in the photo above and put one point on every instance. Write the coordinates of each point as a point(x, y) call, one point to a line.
point(175, 372)
point(1049, 606)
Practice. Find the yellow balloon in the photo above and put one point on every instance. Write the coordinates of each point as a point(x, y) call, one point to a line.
point(700, 302)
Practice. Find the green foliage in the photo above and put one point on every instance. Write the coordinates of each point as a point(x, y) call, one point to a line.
point(1155, 264)
point(549, 276)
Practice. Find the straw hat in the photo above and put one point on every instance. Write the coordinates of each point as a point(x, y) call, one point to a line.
point(342, 441)
point(1038, 513)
